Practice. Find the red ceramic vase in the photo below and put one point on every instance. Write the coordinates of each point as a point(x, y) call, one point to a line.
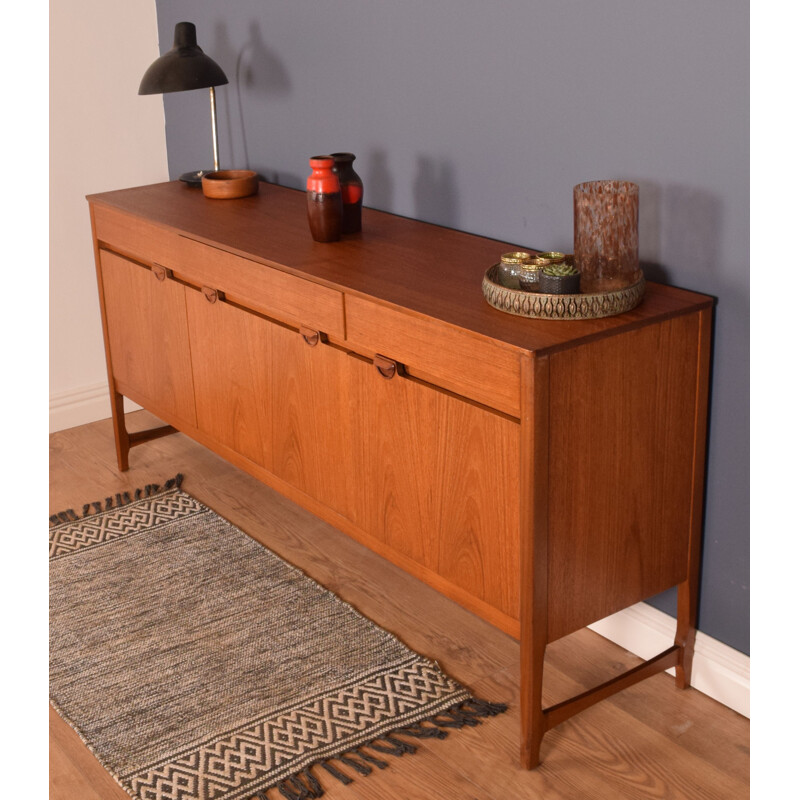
point(324, 200)
point(352, 191)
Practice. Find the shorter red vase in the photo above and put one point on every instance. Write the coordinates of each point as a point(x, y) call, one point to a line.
point(324, 200)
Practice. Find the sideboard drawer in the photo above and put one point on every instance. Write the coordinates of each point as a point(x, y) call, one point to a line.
point(133, 236)
point(438, 352)
point(270, 291)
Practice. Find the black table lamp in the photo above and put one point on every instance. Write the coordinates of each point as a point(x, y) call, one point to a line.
point(186, 67)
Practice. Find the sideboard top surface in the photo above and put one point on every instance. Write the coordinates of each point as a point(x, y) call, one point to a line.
point(428, 269)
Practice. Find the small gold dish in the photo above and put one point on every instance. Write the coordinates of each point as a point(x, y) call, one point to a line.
point(550, 257)
point(517, 257)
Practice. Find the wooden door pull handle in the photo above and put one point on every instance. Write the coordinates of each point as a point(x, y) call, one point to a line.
point(212, 295)
point(311, 337)
point(159, 272)
point(385, 366)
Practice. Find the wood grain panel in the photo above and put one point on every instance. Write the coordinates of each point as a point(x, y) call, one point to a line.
point(231, 356)
point(270, 291)
point(284, 405)
point(441, 478)
point(315, 427)
point(148, 336)
point(399, 450)
point(479, 514)
point(621, 444)
point(443, 354)
point(133, 236)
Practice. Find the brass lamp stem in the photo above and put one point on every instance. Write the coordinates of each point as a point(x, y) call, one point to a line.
point(213, 95)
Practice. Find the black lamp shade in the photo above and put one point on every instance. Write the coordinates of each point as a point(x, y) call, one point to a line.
point(184, 67)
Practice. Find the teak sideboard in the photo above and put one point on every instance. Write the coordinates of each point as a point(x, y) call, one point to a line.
point(543, 474)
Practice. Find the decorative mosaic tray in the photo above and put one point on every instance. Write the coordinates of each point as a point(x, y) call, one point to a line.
point(559, 306)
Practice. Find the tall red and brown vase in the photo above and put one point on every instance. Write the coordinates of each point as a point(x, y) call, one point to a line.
point(324, 200)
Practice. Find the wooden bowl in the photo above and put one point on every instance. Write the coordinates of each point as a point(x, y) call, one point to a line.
point(225, 184)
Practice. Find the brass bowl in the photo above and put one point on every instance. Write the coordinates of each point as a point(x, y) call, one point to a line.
point(539, 305)
point(226, 184)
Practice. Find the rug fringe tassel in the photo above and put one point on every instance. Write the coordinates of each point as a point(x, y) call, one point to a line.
point(335, 772)
point(420, 731)
point(64, 516)
point(312, 786)
point(360, 767)
point(391, 746)
point(305, 786)
point(174, 483)
point(116, 501)
point(376, 762)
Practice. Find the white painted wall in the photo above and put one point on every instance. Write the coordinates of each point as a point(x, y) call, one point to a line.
point(103, 136)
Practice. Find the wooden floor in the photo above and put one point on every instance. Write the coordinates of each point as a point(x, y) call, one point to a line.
point(650, 741)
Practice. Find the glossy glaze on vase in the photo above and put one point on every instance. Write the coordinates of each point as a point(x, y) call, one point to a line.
point(352, 191)
point(324, 200)
point(607, 235)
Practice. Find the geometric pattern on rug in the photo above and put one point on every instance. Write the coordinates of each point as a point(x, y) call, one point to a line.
point(127, 520)
point(279, 743)
point(198, 665)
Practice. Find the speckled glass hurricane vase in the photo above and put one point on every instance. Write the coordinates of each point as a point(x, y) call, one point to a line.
point(607, 235)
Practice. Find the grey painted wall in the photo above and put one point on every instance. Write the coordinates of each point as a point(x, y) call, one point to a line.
point(482, 116)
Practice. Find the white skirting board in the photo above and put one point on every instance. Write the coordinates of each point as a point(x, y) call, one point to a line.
point(79, 406)
point(717, 670)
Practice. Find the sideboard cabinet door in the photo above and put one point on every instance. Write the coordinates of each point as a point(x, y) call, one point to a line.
point(266, 393)
point(441, 476)
point(314, 426)
point(147, 337)
point(232, 351)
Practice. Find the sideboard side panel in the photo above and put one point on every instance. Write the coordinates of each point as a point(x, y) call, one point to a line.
point(621, 454)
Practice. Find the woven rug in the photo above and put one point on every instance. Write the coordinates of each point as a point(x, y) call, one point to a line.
point(195, 663)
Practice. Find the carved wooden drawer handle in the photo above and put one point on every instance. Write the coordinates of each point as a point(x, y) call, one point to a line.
point(212, 295)
point(385, 366)
point(311, 337)
point(159, 272)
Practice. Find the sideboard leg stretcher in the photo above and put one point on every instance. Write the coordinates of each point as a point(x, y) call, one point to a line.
point(125, 440)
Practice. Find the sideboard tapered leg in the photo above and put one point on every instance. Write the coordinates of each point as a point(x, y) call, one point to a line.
point(121, 437)
point(689, 590)
point(533, 718)
point(685, 635)
point(534, 490)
